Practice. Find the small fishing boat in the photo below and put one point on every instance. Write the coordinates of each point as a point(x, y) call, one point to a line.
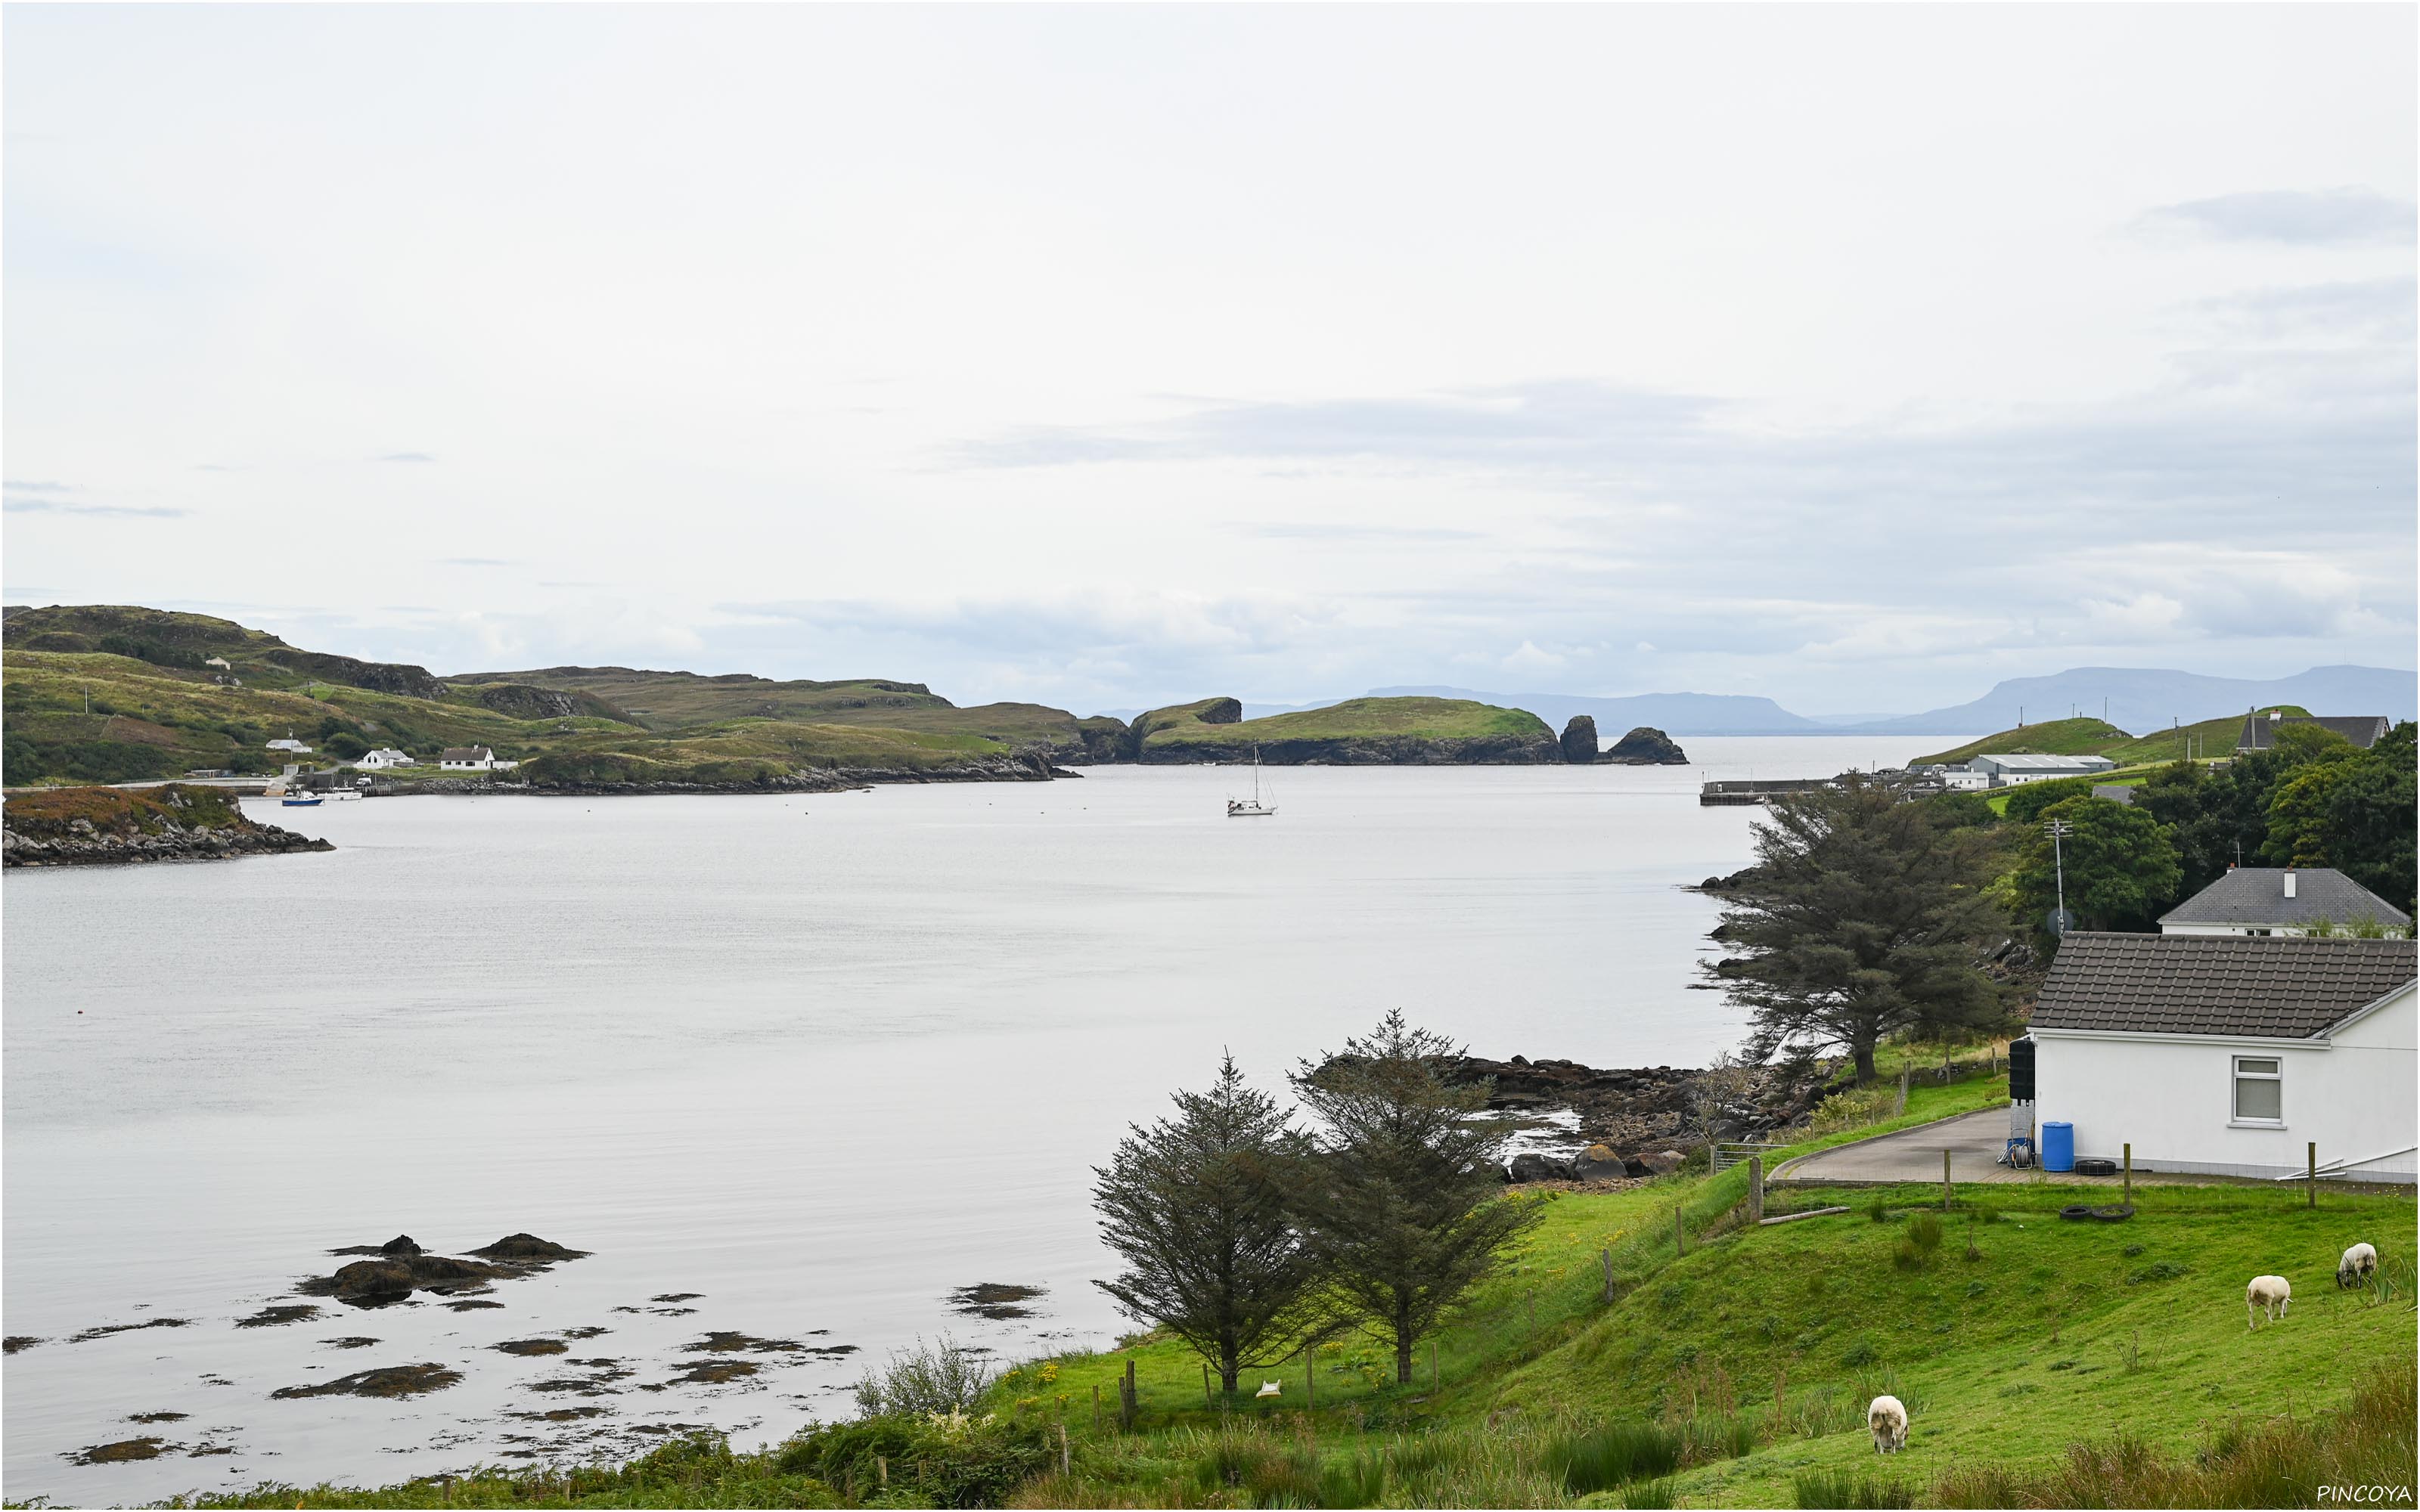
point(1251, 808)
point(301, 800)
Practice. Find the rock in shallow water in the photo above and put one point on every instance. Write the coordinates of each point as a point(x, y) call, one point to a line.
point(387, 1380)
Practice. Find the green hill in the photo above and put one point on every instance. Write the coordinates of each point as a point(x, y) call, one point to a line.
point(2208, 740)
point(1358, 730)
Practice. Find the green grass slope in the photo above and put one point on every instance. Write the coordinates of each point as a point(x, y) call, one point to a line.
point(1208, 730)
point(2208, 740)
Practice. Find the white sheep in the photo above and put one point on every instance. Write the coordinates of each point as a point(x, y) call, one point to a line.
point(2359, 1264)
point(1270, 1388)
point(1887, 1417)
point(2269, 1294)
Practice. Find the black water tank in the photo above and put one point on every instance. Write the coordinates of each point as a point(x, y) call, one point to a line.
point(2020, 1070)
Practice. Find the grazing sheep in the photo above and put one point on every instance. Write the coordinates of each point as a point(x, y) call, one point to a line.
point(2269, 1294)
point(1887, 1417)
point(2359, 1264)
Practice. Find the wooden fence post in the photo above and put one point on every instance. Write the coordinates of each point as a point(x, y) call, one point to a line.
point(1128, 1401)
point(1755, 1210)
point(1064, 1463)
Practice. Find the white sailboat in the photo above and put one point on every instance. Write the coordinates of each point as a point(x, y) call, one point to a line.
point(1251, 808)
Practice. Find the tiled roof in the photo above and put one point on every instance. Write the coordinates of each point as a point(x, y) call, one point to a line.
point(2278, 987)
point(2256, 896)
point(2363, 730)
point(2032, 763)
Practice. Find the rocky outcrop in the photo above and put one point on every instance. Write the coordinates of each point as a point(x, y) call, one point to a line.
point(1645, 747)
point(110, 826)
point(522, 702)
point(1580, 740)
point(1638, 1122)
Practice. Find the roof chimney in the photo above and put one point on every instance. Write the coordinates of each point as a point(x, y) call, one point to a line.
point(2289, 884)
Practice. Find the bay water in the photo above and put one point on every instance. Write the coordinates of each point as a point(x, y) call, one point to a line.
point(820, 1060)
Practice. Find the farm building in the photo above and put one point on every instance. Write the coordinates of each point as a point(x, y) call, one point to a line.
point(2009, 771)
point(2230, 1055)
point(2260, 730)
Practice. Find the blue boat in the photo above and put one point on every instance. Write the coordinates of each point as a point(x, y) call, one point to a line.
point(302, 800)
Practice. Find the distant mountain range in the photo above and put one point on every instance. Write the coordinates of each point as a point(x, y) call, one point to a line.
point(2138, 700)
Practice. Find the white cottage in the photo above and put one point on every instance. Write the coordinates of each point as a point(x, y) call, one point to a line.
point(467, 759)
point(2231, 1055)
point(2268, 899)
point(384, 758)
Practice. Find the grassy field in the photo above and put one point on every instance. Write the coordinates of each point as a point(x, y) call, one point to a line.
point(1369, 719)
point(1730, 1368)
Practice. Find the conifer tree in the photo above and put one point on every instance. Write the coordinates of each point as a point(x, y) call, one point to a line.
point(1861, 917)
point(1402, 1198)
point(1197, 1208)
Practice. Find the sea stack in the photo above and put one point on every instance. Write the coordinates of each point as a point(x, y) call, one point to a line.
point(1580, 740)
point(1644, 747)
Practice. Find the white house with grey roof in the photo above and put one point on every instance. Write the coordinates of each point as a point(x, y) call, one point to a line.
point(2268, 900)
point(2232, 1055)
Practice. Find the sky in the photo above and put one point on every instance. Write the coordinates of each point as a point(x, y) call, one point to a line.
point(1106, 356)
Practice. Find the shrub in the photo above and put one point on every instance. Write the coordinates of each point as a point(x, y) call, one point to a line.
point(1861, 1353)
point(2158, 1271)
point(1925, 1232)
point(1649, 1493)
point(925, 1378)
point(951, 1459)
point(1613, 1456)
point(1841, 1488)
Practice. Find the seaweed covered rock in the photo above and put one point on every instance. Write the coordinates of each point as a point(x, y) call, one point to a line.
point(388, 1381)
point(528, 1249)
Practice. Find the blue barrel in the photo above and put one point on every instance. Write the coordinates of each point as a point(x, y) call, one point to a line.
point(2058, 1145)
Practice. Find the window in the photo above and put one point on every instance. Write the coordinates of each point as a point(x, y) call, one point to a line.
point(2259, 1090)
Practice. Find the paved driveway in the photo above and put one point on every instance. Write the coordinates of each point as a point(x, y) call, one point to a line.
point(1973, 1141)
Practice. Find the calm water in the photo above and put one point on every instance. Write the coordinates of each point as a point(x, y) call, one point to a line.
point(821, 1059)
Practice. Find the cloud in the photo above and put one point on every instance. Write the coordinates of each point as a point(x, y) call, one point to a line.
point(480, 561)
point(25, 485)
point(406, 456)
point(1313, 530)
point(2291, 217)
point(38, 505)
point(2378, 310)
point(1528, 658)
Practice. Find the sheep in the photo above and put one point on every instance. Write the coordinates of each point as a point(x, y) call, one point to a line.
point(2359, 1264)
point(1887, 1417)
point(1270, 1388)
point(2266, 1293)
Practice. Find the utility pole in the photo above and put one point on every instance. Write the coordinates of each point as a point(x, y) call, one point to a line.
point(2059, 829)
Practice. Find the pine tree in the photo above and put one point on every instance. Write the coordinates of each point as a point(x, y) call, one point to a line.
point(1403, 1199)
point(1860, 917)
point(1196, 1206)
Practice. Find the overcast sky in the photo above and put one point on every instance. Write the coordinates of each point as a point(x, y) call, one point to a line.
point(1102, 356)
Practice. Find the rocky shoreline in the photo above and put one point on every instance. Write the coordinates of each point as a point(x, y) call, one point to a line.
point(1018, 769)
point(114, 826)
point(1642, 1120)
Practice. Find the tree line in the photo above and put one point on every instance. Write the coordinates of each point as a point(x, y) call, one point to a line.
point(1250, 1238)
